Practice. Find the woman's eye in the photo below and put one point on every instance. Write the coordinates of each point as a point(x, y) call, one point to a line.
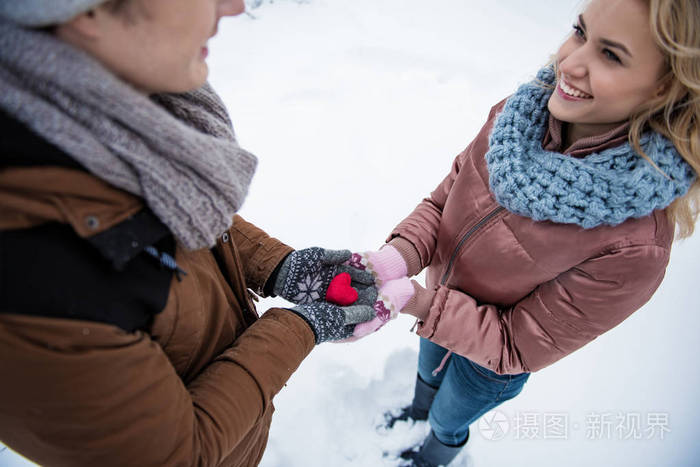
point(578, 31)
point(610, 55)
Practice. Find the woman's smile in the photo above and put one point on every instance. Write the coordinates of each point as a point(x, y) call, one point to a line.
point(571, 93)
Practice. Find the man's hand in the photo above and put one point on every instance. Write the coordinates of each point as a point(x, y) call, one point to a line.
point(305, 275)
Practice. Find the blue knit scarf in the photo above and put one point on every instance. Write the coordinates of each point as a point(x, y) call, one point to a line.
point(608, 187)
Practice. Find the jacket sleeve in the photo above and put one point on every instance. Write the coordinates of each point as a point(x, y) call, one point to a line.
point(555, 319)
point(83, 393)
point(260, 253)
point(421, 227)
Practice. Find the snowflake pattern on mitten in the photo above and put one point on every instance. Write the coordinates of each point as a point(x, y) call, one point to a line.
point(304, 278)
point(309, 289)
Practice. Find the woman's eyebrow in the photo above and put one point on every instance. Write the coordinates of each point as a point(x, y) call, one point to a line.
point(607, 42)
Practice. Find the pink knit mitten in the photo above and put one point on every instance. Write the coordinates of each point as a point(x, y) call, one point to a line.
point(393, 296)
point(385, 265)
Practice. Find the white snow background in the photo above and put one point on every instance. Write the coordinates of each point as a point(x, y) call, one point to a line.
point(356, 109)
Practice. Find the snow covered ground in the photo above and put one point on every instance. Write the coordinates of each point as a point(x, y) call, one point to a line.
point(356, 109)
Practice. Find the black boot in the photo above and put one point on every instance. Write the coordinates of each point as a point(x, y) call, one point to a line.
point(432, 453)
point(418, 410)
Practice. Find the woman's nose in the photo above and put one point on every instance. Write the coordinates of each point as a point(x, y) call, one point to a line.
point(231, 7)
point(575, 64)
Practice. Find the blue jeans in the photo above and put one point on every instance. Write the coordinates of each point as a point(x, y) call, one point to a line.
point(467, 391)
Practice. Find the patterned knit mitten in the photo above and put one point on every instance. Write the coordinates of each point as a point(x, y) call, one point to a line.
point(331, 322)
point(305, 275)
point(393, 296)
point(385, 264)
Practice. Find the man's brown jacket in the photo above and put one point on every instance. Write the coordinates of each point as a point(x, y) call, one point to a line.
point(109, 358)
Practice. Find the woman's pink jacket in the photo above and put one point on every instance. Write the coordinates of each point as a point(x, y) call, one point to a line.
point(516, 295)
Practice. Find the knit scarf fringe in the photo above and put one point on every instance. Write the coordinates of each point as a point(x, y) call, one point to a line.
point(604, 188)
point(177, 152)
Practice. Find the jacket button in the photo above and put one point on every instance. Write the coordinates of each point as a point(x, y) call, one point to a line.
point(225, 237)
point(92, 222)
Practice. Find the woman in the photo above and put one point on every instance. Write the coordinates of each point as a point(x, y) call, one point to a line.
point(556, 223)
point(128, 335)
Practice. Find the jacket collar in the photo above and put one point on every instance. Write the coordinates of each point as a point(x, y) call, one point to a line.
point(39, 183)
point(553, 139)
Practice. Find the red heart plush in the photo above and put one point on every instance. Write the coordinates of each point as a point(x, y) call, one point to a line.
point(340, 292)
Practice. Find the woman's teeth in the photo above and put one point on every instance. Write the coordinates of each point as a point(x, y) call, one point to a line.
point(573, 92)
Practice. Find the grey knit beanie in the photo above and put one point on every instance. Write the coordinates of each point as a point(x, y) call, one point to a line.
point(38, 13)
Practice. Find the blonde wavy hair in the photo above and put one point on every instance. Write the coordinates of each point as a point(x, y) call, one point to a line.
point(675, 113)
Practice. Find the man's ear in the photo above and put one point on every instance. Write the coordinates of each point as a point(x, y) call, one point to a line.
point(84, 27)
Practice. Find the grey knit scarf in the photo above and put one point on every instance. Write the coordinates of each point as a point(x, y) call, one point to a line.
point(177, 152)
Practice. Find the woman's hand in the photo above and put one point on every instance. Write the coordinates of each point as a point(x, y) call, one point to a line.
point(394, 295)
point(385, 264)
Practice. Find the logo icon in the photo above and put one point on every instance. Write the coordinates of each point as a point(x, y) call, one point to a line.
point(494, 425)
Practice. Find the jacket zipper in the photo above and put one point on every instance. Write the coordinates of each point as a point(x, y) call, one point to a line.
point(246, 302)
point(466, 236)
